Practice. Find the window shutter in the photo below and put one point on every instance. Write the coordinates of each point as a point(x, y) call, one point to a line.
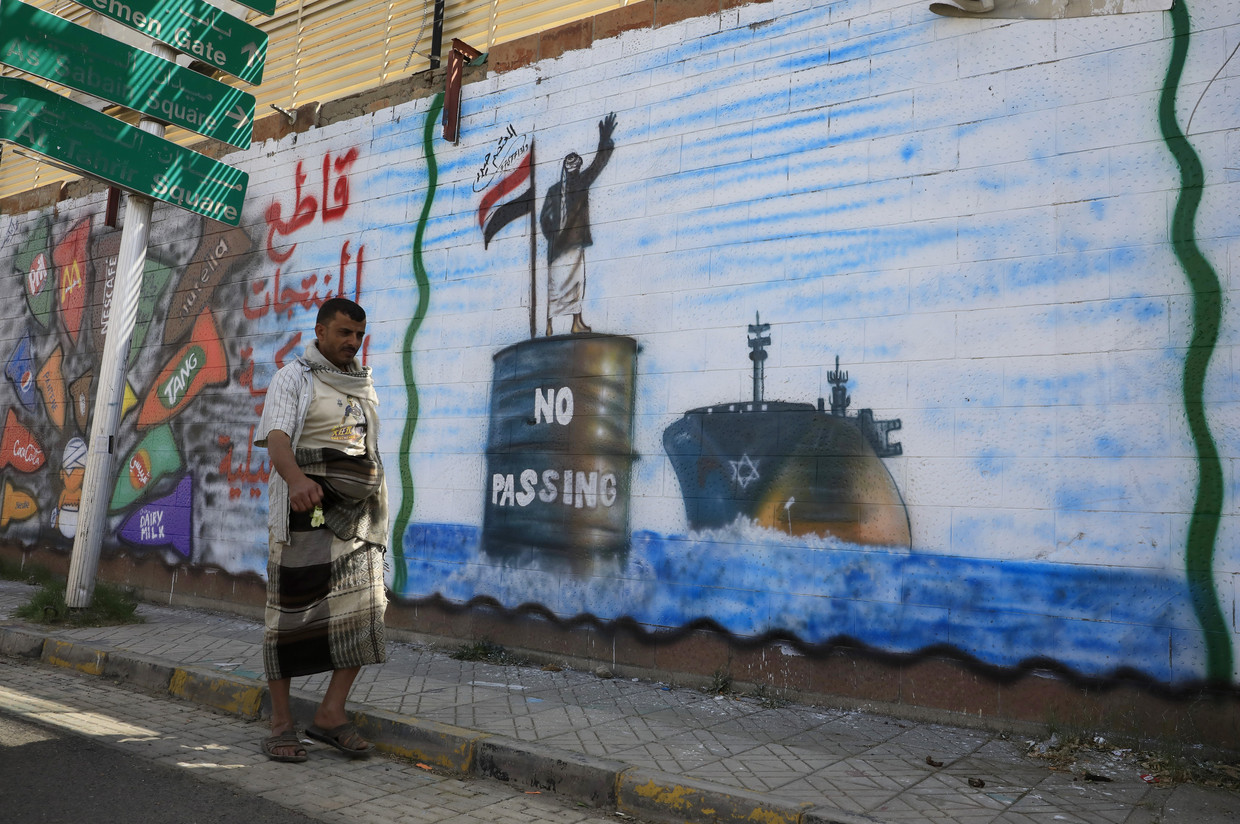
point(323, 50)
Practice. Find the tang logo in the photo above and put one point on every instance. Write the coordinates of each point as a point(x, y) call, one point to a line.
point(198, 364)
point(173, 389)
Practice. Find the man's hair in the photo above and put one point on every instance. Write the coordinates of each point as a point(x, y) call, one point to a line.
point(342, 306)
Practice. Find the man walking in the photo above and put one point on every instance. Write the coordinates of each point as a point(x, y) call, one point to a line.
point(327, 531)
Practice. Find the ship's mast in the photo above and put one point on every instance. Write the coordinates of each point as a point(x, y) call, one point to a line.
point(758, 342)
point(839, 394)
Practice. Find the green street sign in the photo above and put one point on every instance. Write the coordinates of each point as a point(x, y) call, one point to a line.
point(104, 147)
point(267, 7)
point(51, 47)
point(196, 28)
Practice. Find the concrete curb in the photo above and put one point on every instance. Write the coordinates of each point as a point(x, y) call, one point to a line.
point(440, 745)
point(583, 778)
point(597, 782)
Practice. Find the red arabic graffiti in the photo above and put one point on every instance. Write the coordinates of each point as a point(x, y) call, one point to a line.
point(283, 300)
point(243, 475)
point(245, 377)
point(340, 190)
point(305, 208)
point(270, 295)
point(283, 351)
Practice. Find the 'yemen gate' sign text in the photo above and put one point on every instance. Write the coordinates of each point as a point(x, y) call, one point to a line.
point(195, 27)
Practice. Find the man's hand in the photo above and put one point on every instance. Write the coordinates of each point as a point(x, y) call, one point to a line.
point(606, 127)
point(303, 493)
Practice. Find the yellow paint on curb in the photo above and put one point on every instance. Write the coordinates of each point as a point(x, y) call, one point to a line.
point(220, 693)
point(675, 796)
point(455, 752)
point(772, 817)
point(691, 802)
point(60, 654)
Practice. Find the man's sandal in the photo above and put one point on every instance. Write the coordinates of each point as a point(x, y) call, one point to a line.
point(287, 740)
point(345, 738)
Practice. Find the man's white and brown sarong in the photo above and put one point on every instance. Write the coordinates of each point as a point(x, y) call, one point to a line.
point(325, 603)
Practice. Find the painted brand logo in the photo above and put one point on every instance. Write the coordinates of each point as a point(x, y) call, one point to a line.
point(172, 390)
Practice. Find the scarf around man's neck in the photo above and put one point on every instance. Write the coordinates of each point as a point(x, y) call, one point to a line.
point(355, 382)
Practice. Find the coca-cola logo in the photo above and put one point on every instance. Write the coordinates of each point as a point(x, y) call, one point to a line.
point(30, 453)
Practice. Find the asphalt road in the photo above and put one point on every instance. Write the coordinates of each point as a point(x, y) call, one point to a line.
point(76, 748)
point(50, 775)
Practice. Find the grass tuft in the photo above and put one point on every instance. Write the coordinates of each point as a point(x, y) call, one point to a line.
point(486, 651)
point(110, 605)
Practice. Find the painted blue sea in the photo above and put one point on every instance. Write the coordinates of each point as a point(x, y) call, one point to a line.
point(1095, 622)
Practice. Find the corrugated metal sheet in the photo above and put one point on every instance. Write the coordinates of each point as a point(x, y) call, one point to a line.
point(327, 49)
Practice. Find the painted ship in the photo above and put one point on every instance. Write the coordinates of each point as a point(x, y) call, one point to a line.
point(799, 468)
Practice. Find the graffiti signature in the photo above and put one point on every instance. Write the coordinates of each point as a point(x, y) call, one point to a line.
point(509, 150)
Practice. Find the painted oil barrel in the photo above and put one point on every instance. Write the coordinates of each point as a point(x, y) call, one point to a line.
point(560, 452)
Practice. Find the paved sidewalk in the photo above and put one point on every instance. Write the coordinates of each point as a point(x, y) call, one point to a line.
point(639, 748)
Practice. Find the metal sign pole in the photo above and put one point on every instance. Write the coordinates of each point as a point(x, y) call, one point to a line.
point(110, 396)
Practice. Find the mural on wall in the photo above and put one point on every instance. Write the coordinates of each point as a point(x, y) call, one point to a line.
point(977, 273)
point(190, 486)
point(53, 366)
point(851, 340)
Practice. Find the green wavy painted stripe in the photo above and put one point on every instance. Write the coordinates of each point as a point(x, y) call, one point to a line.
point(1207, 308)
point(400, 572)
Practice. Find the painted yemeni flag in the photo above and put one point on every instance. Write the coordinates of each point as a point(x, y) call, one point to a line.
point(51, 382)
point(155, 457)
point(508, 198)
point(71, 262)
point(20, 370)
point(34, 265)
point(198, 364)
point(18, 446)
point(164, 522)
